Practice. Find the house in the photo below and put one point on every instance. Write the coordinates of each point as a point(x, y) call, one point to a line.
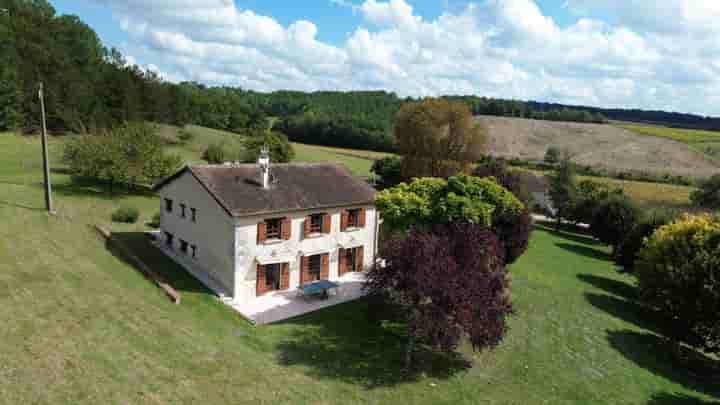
point(249, 230)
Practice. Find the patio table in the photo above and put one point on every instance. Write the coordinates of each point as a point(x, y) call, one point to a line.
point(320, 287)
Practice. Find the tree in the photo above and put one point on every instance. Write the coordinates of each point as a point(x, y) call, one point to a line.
point(563, 188)
point(627, 251)
point(388, 169)
point(613, 219)
point(553, 154)
point(463, 199)
point(450, 282)
point(217, 153)
point(589, 194)
point(281, 151)
point(678, 274)
point(437, 138)
point(708, 194)
point(510, 180)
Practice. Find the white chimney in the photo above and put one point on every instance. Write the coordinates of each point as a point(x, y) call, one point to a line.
point(264, 162)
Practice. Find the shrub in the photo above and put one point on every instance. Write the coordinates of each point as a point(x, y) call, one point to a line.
point(613, 218)
point(552, 155)
point(185, 135)
point(514, 234)
point(128, 215)
point(450, 282)
point(679, 275)
point(216, 154)
point(281, 150)
point(589, 194)
point(155, 221)
point(512, 181)
point(708, 194)
point(389, 171)
point(627, 251)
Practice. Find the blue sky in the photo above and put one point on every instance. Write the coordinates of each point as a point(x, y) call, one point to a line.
point(614, 53)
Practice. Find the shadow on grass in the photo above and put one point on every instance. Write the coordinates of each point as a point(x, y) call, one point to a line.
point(139, 243)
point(627, 310)
point(569, 232)
point(695, 371)
point(84, 187)
point(677, 399)
point(585, 251)
point(27, 207)
point(615, 287)
point(340, 343)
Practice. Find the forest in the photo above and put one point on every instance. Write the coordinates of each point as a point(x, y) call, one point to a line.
point(90, 88)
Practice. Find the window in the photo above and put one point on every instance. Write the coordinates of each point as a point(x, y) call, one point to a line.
point(194, 251)
point(183, 246)
point(169, 239)
point(353, 218)
point(314, 266)
point(182, 210)
point(316, 223)
point(351, 259)
point(272, 276)
point(168, 205)
point(273, 227)
point(193, 214)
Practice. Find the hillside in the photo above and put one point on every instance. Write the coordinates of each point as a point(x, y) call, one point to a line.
point(597, 145)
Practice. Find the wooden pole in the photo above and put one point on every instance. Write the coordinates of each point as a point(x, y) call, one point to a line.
point(46, 163)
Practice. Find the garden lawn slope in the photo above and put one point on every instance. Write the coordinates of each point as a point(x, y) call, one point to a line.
point(605, 146)
point(81, 326)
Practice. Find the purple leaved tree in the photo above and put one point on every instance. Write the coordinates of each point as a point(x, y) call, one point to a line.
point(450, 282)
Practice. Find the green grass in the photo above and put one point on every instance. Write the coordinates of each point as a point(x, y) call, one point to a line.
point(707, 142)
point(80, 325)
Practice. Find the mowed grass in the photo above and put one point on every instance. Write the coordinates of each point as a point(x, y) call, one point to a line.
point(81, 326)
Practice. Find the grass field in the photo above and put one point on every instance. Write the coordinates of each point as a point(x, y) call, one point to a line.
point(80, 325)
point(707, 142)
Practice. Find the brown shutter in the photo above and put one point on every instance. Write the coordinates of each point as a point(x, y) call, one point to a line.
point(325, 266)
point(343, 220)
point(285, 276)
point(327, 223)
point(304, 267)
point(359, 255)
point(361, 219)
point(286, 228)
point(261, 232)
point(342, 263)
point(306, 226)
point(260, 285)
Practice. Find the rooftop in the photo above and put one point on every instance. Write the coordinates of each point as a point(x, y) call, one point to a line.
point(294, 186)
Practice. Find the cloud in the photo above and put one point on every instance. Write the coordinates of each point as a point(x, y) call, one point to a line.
point(499, 48)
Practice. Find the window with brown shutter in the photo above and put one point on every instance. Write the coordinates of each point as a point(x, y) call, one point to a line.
point(260, 280)
point(353, 220)
point(350, 260)
point(325, 266)
point(285, 276)
point(361, 218)
point(342, 261)
point(306, 226)
point(261, 232)
point(316, 223)
point(359, 255)
point(344, 216)
point(304, 268)
point(327, 222)
point(286, 228)
point(273, 228)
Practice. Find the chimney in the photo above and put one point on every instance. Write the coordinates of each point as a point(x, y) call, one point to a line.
point(264, 162)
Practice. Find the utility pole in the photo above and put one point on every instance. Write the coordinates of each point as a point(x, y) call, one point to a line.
point(46, 163)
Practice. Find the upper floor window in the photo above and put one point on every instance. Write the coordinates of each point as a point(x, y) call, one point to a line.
point(194, 251)
point(316, 223)
point(168, 205)
point(182, 210)
point(184, 246)
point(193, 214)
point(353, 218)
point(273, 228)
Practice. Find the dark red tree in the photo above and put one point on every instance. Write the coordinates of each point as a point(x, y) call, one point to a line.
point(450, 281)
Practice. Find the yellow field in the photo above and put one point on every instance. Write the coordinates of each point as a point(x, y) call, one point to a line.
point(681, 135)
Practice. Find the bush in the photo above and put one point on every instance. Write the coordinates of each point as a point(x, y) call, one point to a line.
point(627, 251)
point(679, 275)
point(128, 215)
point(552, 155)
point(708, 193)
point(281, 151)
point(613, 218)
point(216, 154)
point(389, 171)
point(512, 181)
point(514, 234)
point(589, 194)
point(185, 135)
point(155, 221)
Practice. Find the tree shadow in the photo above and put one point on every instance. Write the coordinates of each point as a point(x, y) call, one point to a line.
point(692, 369)
point(615, 287)
point(665, 398)
point(627, 310)
point(585, 251)
point(340, 343)
point(570, 232)
point(96, 189)
point(140, 245)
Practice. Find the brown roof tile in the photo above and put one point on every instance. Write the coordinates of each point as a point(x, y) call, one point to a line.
point(295, 186)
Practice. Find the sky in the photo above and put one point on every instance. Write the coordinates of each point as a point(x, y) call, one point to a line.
point(608, 53)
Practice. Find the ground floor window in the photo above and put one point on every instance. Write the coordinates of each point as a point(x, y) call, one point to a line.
point(351, 260)
point(169, 239)
point(272, 277)
point(314, 267)
point(184, 246)
point(194, 251)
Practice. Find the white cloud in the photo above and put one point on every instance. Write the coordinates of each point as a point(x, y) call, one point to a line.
point(500, 48)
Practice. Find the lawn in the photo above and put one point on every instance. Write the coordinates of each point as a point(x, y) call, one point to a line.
point(82, 326)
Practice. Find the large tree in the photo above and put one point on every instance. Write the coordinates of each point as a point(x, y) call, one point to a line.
point(449, 282)
point(437, 138)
